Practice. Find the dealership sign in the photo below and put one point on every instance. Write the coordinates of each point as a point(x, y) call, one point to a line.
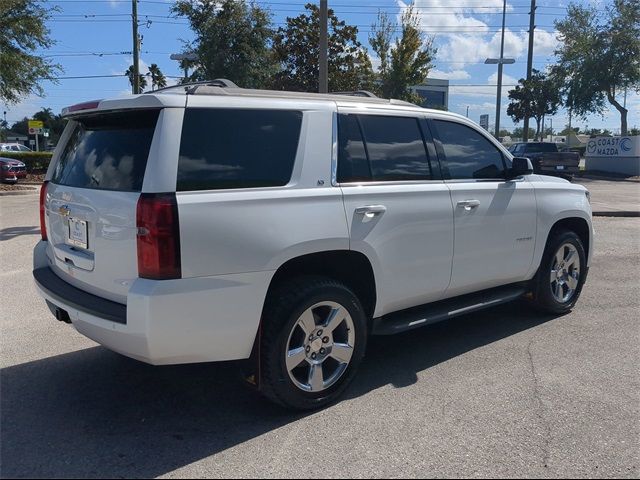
point(613, 147)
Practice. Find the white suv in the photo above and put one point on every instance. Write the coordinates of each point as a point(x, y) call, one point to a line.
point(209, 223)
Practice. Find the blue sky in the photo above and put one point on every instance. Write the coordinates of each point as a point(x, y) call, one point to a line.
point(94, 38)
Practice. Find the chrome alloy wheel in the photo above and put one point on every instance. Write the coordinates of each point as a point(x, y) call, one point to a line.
point(320, 346)
point(565, 273)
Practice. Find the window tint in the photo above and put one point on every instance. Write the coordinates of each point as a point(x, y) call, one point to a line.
point(468, 153)
point(237, 148)
point(108, 151)
point(541, 147)
point(353, 165)
point(395, 148)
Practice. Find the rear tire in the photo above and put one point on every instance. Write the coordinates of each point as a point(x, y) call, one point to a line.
point(314, 334)
point(562, 273)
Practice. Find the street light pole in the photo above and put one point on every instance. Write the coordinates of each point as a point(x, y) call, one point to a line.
point(500, 61)
point(499, 99)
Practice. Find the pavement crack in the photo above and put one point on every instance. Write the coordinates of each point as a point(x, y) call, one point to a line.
point(540, 410)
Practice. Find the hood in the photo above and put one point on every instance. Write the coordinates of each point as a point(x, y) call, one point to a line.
point(13, 162)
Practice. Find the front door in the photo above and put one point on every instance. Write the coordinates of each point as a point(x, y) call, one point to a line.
point(495, 219)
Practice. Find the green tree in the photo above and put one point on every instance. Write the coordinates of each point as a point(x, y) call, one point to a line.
point(55, 123)
point(634, 131)
point(595, 132)
point(296, 46)
point(405, 63)
point(158, 80)
point(142, 82)
point(22, 23)
point(232, 40)
point(599, 56)
point(518, 132)
point(566, 130)
point(534, 98)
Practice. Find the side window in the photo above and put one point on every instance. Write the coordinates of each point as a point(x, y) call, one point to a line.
point(469, 155)
point(237, 148)
point(353, 165)
point(395, 148)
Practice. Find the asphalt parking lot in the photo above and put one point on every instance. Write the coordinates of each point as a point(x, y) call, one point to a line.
point(506, 393)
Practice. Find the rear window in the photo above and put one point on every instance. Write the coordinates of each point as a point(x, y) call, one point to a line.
point(237, 148)
point(380, 148)
point(541, 147)
point(108, 151)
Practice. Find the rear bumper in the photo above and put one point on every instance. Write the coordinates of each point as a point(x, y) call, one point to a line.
point(166, 322)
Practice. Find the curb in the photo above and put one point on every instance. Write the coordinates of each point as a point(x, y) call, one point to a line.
point(627, 214)
point(588, 176)
point(8, 193)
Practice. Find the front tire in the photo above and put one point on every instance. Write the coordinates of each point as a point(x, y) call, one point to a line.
point(314, 334)
point(562, 273)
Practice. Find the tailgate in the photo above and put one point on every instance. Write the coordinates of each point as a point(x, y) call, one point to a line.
point(92, 198)
point(567, 159)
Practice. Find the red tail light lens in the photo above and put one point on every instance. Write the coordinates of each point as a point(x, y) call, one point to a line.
point(158, 237)
point(43, 198)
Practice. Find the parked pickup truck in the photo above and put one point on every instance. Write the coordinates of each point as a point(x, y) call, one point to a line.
point(547, 159)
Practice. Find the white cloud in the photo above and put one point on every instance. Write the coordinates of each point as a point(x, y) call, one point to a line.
point(25, 108)
point(468, 48)
point(464, 38)
point(450, 75)
point(488, 90)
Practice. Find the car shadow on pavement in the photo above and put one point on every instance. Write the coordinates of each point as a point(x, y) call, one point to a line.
point(11, 232)
point(93, 413)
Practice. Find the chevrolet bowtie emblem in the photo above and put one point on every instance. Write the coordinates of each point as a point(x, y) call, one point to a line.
point(64, 211)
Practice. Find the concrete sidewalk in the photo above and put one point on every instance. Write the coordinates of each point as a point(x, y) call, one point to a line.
point(613, 197)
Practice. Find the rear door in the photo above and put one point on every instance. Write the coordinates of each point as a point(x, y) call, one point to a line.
point(398, 209)
point(92, 197)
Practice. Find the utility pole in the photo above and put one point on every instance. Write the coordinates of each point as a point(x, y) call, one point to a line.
point(136, 42)
point(323, 84)
point(467, 111)
point(532, 26)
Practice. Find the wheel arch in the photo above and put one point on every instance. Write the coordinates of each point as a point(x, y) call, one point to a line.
point(348, 266)
point(579, 226)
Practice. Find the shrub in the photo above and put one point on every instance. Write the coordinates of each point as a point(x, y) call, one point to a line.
point(36, 162)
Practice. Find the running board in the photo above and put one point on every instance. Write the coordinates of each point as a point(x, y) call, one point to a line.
point(422, 315)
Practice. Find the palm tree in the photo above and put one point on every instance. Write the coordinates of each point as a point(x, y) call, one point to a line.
point(142, 81)
point(158, 79)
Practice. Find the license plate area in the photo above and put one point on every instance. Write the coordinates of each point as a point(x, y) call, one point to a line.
point(77, 235)
point(559, 167)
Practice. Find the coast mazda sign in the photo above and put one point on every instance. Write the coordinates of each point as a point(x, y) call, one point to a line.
point(613, 147)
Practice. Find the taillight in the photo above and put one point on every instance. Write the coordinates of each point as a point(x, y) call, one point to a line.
point(43, 198)
point(158, 237)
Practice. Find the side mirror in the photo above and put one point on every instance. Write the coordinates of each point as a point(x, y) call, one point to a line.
point(520, 166)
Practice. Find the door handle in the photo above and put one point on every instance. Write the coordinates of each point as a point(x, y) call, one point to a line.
point(468, 205)
point(371, 211)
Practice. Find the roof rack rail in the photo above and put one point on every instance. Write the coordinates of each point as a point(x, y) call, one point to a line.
point(357, 93)
point(192, 88)
point(188, 87)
